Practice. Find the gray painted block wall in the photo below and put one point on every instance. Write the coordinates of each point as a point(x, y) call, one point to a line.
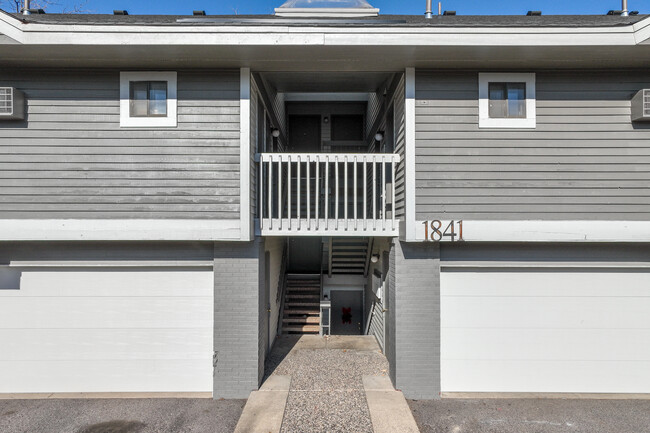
point(413, 322)
point(238, 318)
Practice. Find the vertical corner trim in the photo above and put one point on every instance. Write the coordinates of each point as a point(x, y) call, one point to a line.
point(409, 156)
point(245, 153)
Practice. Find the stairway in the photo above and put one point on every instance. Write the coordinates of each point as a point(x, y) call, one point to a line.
point(301, 314)
point(349, 255)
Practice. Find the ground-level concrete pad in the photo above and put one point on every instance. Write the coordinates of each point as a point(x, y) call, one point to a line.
point(389, 411)
point(353, 342)
point(264, 409)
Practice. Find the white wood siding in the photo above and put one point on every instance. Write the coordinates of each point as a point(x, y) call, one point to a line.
point(107, 330)
point(526, 330)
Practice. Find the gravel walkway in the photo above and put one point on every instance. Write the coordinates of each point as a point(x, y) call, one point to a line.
point(326, 393)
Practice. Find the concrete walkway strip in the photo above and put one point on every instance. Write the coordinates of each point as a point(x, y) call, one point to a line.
point(264, 409)
point(389, 411)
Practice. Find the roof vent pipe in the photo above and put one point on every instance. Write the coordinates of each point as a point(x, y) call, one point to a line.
point(26, 10)
point(625, 12)
point(429, 13)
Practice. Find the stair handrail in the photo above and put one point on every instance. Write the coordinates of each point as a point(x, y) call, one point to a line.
point(282, 285)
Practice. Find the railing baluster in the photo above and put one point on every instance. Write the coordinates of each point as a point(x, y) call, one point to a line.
point(308, 189)
point(327, 192)
point(299, 160)
point(336, 204)
point(374, 192)
point(289, 189)
point(365, 191)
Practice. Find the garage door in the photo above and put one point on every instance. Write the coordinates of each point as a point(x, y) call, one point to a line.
point(550, 330)
point(120, 330)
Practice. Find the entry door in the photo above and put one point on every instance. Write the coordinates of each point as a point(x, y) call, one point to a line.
point(304, 134)
point(347, 312)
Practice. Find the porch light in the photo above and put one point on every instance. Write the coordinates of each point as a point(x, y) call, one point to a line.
point(374, 258)
point(379, 136)
point(275, 132)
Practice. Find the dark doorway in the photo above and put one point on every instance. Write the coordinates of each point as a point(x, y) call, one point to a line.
point(304, 134)
point(347, 312)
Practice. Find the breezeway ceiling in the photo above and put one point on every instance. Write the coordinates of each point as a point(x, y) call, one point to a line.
point(313, 82)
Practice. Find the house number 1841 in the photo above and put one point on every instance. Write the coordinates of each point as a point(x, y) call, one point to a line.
point(437, 230)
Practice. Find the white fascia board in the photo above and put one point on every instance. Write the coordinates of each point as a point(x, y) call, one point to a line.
point(119, 230)
point(46, 34)
point(642, 31)
point(11, 26)
point(546, 231)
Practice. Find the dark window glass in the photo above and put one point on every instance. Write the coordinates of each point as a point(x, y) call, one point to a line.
point(347, 127)
point(507, 100)
point(148, 98)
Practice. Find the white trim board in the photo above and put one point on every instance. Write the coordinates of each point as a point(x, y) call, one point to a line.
point(245, 153)
point(547, 231)
point(118, 230)
point(409, 154)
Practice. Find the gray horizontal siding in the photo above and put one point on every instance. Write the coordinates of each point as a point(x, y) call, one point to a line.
point(585, 159)
point(71, 159)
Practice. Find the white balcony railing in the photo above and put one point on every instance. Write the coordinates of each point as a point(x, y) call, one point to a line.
point(321, 194)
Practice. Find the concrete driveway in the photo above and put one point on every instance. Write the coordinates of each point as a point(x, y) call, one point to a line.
point(531, 416)
point(119, 415)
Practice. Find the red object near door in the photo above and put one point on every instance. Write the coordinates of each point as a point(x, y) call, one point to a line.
point(346, 317)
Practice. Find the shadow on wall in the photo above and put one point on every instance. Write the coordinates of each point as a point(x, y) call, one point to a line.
point(9, 278)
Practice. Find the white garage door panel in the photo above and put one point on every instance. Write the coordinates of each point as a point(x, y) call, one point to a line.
point(98, 344)
point(547, 344)
point(544, 312)
point(105, 312)
point(562, 331)
point(107, 376)
point(116, 330)
point(546, 376)
point(116, 282)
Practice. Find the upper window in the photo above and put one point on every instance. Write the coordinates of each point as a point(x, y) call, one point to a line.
point(148, 99)
point(507, 100)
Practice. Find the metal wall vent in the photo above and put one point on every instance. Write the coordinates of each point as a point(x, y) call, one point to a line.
point(641, 106)
point(12, 103)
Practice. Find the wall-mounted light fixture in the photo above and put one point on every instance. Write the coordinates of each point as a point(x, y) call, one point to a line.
point(326, 119)
point(275, 132)
point(379, 136)
point(374, 258)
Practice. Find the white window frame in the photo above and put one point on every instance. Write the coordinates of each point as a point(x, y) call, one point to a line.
point(484, 119)
point(169, 121)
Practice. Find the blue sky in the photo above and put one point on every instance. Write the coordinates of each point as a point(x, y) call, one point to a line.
point(464, 7)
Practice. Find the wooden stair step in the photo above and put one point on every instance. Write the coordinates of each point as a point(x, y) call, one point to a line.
point(303, 328)
point(302, 320)
point(301, 296)
point(301, 311)
point(302, 304)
